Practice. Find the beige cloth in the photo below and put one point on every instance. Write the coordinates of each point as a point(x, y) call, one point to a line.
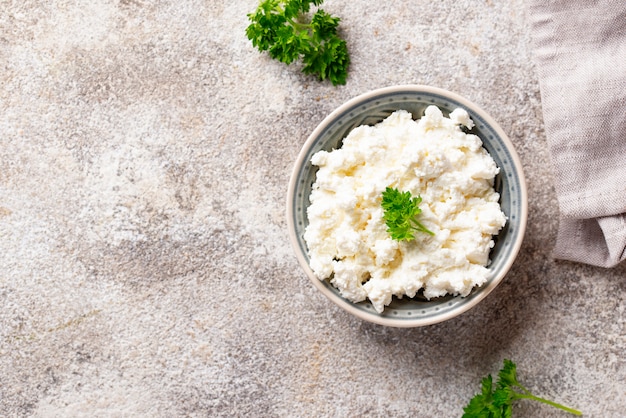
point(580, 52)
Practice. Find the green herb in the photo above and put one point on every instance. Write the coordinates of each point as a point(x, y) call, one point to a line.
point(400, 210)
point(497, 402)
point(283, 28)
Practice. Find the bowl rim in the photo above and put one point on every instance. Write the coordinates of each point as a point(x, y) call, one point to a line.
point(486, 289)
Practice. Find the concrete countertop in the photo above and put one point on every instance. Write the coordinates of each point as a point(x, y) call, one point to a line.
point(145, 268)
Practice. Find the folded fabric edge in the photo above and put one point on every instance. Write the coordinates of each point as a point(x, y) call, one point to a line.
point(599, 242)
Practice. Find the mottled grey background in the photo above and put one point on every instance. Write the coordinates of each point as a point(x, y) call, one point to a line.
point(145, 268)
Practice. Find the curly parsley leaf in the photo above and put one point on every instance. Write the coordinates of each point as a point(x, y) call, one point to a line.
point(481, 405)
point(498, 402)
point(507, 376)
point(400, 212)
point(286, 31)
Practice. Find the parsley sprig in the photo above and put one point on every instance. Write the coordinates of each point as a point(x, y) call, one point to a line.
point(400, 211)
point(283, 28)
point(498, 402)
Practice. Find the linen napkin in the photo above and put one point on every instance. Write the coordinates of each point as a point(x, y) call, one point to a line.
point(579, 49)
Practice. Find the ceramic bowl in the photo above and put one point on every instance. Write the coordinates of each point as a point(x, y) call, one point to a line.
point(369, 109)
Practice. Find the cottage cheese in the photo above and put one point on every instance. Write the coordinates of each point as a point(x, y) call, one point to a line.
point(347, 237)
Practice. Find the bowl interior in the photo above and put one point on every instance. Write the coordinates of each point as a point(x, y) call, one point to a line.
point(371, 109)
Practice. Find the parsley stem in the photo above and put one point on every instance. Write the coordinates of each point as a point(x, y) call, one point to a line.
point(418, 226)
point(300, 26)
point(551, 403)
point(523, 388)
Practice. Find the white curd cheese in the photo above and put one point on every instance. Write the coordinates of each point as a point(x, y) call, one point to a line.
point(347, 237)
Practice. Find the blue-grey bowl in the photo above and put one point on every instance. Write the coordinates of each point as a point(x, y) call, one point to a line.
point(369, 109)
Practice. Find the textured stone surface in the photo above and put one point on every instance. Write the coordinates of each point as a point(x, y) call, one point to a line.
point(145, 269)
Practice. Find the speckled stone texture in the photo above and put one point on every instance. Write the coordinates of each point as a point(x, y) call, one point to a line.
point(145, 268)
